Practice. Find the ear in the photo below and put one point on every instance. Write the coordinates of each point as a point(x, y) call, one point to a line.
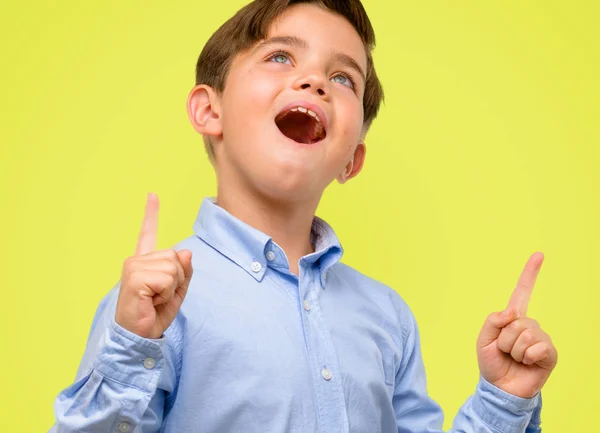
point(355, 165)
point(204, 110)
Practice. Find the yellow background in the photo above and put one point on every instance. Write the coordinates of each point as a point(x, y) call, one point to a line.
point(486, 151)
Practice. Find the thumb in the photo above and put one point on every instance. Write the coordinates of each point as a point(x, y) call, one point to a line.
point(493, 326)
point(185, 257)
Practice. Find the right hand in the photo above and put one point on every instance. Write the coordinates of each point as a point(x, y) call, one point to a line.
point(153, 283)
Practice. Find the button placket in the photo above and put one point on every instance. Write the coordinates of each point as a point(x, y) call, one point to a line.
point(321, 350)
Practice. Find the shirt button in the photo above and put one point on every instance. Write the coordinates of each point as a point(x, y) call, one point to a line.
point(306, 305)
point(270, 256)
point(326, 373)
point(324, 277)
point(256, 267)
point(124, 427)
point(149, 363)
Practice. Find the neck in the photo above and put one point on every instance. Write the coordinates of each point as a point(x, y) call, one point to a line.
point(287, 223)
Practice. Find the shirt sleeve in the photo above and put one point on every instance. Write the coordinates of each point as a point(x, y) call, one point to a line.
point(488, 410)
point(122, 382)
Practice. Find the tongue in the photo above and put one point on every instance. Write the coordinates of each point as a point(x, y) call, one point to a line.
point(300, 127)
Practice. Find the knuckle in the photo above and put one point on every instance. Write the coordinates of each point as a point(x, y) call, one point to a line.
point(521, 324)
point(129, 263)
point(521, 286)
point(132, 281)
point(503, 347)
point(502, 342)
point(528, 336)
point(173, 269)
point(170, 280)
point(492, 317)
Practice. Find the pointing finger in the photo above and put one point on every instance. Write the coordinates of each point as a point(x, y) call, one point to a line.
point(148, 233)
point(522, 293)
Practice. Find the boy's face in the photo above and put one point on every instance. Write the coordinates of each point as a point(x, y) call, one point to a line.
point(313, 60)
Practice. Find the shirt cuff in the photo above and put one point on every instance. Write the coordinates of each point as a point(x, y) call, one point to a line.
point(504, 411)
point(130, 359)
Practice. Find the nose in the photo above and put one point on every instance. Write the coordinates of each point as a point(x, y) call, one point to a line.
point(313, 82)
point(320, 91)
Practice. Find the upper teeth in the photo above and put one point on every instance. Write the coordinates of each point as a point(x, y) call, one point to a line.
point(306, 110)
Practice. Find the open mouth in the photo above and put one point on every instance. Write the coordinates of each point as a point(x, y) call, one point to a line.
point(301, 125)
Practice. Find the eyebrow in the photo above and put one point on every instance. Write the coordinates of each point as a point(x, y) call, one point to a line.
point(295, 41)
point(348, 61)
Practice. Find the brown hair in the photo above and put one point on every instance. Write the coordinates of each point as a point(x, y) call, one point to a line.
point(251, 24)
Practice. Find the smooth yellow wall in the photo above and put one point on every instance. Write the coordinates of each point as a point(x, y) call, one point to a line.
point(486, 151)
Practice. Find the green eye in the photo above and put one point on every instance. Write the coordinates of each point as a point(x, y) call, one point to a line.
point(342, 79)
point(280, 58)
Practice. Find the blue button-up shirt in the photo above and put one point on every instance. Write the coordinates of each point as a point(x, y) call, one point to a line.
point(255, 348)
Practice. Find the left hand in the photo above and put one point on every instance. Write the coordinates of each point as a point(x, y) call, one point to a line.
point(513, 352)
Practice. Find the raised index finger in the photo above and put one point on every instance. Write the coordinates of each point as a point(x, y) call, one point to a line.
point(522, 293)
point(148, 233)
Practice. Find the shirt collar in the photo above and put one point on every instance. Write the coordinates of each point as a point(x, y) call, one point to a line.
point(247, 246)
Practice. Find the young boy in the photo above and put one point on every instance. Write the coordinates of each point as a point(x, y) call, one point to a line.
point(275, 333)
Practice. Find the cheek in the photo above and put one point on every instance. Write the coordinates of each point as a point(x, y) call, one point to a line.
point(351, 118)
point(261, 83)
point(252, 96)
point(258, 87)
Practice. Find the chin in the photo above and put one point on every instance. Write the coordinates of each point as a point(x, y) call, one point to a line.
point(289, 184)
